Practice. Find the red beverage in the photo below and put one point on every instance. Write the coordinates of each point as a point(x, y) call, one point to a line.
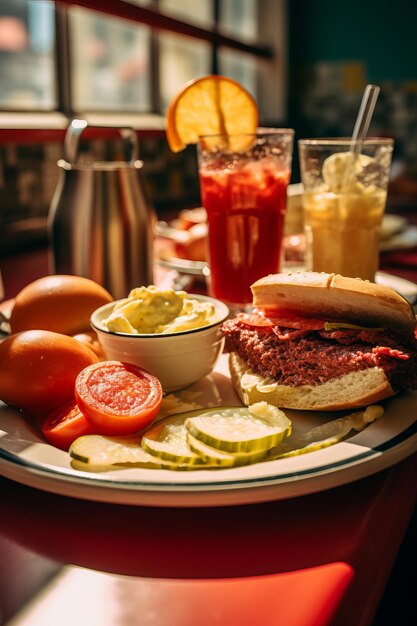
point(245, 203)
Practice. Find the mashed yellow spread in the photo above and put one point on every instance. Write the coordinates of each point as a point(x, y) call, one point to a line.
point(149, 310)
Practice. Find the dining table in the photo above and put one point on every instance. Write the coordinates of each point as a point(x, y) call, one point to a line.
point(341, 553)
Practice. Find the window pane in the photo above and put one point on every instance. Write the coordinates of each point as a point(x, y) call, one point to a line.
point(239, 18)
point(242, 67)
point(110, 60)
point(26, 55)
point(181, 60)
point(199, 12)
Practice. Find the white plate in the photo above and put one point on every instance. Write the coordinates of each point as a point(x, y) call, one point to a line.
point(182, 266)
point(165, 256)
point(392, 225)
point(26, 459)
point(403, 240)
point(405, 287)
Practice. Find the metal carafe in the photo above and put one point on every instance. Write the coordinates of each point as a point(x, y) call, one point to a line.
point(100, 222)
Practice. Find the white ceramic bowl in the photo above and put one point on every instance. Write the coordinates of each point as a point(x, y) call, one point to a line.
point(176, 359)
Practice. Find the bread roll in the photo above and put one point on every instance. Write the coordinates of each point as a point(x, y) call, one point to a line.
point(349, 391)
point(335, 297)
point(59, 303)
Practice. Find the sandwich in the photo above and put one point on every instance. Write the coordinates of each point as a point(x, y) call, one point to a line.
point(318, 341)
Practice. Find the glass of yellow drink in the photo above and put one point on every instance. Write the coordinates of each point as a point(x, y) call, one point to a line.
point(344, 202)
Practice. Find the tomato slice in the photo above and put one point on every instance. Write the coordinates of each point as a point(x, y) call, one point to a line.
point(118, 398)
point(273, 317)
point(301, 323)
point(64, 425)
point(255, 319)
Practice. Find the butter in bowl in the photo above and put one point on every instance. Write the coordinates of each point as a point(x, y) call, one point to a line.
point(174, 335)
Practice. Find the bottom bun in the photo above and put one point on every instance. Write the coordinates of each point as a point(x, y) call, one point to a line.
point(349, 391)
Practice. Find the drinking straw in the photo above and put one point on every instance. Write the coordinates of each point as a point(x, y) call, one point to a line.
point(363, 120)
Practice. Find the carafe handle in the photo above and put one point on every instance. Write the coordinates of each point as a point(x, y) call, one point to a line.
point(77, 127)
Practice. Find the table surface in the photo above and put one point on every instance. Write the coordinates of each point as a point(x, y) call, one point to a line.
point(321, 559)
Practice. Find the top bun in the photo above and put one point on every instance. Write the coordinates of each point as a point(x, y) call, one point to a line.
point(335, 297)
point(60, 303)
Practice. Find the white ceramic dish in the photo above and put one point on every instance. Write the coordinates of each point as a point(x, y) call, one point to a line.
point(392, 225)
point(177, 359)
point(405, 287)
point(24, 457)
point(183, 266)
point(403, 240)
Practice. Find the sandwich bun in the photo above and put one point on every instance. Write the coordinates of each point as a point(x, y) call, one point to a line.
point(335, 297)
point(349, 391)
point(58, 303)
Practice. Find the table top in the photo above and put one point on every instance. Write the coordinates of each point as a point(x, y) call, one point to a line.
point(243, 564)
point(329, 545)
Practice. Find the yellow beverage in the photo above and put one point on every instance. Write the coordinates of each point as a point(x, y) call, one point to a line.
point(342, 231)
point(344, 201)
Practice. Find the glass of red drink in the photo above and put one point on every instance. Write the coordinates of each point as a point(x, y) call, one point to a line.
point(243, 183)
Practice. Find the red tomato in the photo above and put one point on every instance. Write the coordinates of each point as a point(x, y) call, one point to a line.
point(255, 319)
point(38, 369)
point(118, 398)
point(269, 318)
point(90, 339)
point(64, 425)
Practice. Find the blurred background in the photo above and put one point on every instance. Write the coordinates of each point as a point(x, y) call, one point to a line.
point(119, 62)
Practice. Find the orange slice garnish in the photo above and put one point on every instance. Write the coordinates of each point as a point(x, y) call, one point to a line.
point(209, 105)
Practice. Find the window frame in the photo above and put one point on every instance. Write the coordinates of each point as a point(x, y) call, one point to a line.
point(51, 125)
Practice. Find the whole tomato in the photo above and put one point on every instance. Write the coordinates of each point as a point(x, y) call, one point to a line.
point(38, 369)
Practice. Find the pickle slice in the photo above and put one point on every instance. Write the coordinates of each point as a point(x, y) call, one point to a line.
point(240, 429)
point(167, 440)
point(223, 459)
point(102, 451)
point(98, 453)
point(326, 434)
point(239, 436)
point(342, 325)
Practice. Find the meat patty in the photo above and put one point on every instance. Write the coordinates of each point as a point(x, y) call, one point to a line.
point(309, 357)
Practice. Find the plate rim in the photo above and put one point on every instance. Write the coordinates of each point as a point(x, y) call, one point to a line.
point(361, 456)
point(70, 485)
point(325, 474)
